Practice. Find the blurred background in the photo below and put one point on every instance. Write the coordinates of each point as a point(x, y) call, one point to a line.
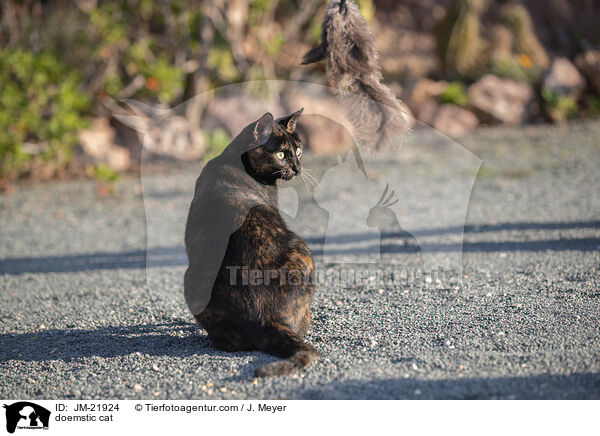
point(458, 64)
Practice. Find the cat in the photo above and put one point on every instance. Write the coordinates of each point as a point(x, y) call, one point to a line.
point(381, 120)
point(234, 229)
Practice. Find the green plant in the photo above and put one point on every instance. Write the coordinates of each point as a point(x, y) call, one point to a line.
point(593, 103)
point(105, 178)
point(41, 110)
point(517, 19)
point(216, 141)
point(102, 173)
point(514, 68)
point(558, 107)
point(459, 44)
point(455, 93)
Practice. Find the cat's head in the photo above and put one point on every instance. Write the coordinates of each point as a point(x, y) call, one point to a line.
point(279, 151)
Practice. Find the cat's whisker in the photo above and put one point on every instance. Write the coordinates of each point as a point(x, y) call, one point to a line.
point(312, 178)
point(305, 184)
point(308, 178)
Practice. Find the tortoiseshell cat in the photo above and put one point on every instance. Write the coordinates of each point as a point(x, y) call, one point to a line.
point(234, 229)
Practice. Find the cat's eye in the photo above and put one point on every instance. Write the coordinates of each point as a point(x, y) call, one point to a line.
point(280, 155)
point(299, 152)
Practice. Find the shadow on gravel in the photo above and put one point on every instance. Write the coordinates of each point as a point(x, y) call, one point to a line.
point(485, 228)
point(572, 244)
point(176, 339)
point(544, 386)
point(155, 257)
point(176, 256)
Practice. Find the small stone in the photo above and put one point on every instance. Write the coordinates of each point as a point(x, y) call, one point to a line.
point(500, 100)
point(417, 391)
point(41, 327)
point(223, 389)
point(454, 121)
point(563, 79)
point(589, 64)
point(137, 387)
point(155, 368)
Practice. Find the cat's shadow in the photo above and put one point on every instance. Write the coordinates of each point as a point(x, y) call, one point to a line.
point(175, 339)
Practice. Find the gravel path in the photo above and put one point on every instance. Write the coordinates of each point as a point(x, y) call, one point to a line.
point(83, 318)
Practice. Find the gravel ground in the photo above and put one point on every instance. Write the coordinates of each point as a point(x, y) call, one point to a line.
point(83, 318)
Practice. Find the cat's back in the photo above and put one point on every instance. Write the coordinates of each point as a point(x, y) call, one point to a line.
point(224, 193)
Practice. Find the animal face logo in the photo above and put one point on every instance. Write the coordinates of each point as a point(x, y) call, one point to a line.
point(26, 415)
point(382, 212)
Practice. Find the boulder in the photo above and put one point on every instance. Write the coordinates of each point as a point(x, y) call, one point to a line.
point(98, 142)
point(424, 90)
point(428, 111)
point(317, 129)
point(589, 65)
point(423, 98)
point(454, 121)
point(233, 113)
point(563, 79)
point(496, 100)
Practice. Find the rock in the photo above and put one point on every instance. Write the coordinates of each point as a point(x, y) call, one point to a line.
point(428, 111)
point(497, 100)
point(97, 139)
point(98, 142)
point(563, 79)
point(175, 136)
point(234, 113)
point(118, 158)
point(423, 91)
point(317, 130)
point(423, 99)
point(454, 121)
point(589, 65)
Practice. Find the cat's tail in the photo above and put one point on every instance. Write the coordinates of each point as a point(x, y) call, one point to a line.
point(284, 343)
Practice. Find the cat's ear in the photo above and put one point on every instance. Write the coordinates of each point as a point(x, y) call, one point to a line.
point(289, 122)
point(263, 128)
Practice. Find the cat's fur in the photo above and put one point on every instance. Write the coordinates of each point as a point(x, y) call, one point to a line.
point(381, 120)
point(234, 224)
